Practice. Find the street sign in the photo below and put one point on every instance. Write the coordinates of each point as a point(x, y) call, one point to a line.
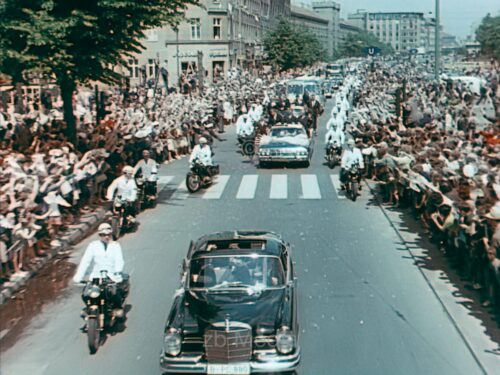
point(372, 51)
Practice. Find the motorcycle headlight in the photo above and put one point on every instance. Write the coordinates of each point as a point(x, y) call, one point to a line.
point(285, 341)
point(172, 343)
point(94, 291)
point(118, 204)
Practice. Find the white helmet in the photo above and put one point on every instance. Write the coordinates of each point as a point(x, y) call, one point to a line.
point(203, 141)
point(104, 228)
point(350, 142)
point(128, 169)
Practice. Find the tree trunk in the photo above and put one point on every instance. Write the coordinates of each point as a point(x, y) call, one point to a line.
point(19, 107)
point(68, 86)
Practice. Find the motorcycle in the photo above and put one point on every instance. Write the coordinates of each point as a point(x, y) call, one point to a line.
point(333, 154)
point(353, 181)
point(147, 191)
point(200, 176)
point(99, 312)
point(122, 220)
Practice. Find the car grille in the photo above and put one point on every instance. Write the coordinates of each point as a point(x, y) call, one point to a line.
point(229, 344)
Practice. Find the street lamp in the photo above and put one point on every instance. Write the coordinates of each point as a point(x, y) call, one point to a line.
point(177, 48)
point(437, 48)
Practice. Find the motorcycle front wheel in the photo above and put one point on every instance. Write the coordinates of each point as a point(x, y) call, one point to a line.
point(248, 148)
point(193, 183)
point(331, 162)
point(354, 191)
point(93, 335)
point(115, 227)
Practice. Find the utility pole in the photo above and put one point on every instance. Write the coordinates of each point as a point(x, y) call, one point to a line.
point(240, 35)
point(178, 62)
point(437, 47)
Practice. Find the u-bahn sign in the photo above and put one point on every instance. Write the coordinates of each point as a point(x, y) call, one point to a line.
point(372, 51)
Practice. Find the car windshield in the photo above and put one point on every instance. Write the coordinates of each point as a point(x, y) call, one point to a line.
point(295, 89)
point(312, 89)
point(224, 272)
point(286, 132)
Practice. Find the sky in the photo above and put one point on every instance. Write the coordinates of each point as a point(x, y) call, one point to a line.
point(458, 17)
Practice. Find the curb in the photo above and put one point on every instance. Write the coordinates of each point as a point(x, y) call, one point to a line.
point(85, 227)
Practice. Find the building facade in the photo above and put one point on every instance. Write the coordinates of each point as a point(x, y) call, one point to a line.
point(347, 28)
point(312, 21)
point(404, 31)
point(330, 10)
point(213, 38)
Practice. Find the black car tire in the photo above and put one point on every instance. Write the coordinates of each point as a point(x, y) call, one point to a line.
point(93, 335)
point(307, 164)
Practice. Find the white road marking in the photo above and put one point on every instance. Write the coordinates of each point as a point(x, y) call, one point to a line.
point(163, 182)
point(181, 192)
point(215, 191)
point(336, 184)
point(310, 187)
point(248, 186)
point(279, 186)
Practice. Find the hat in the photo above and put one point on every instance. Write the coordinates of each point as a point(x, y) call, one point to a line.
point(104, 228)
point(203, 141)
point(494, 213)
point(128, 169)
point(350, 142)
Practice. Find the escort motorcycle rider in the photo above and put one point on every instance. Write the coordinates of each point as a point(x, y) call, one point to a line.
point(125, 189)
point(149, 171)
point(105, 255)
point(350, 156)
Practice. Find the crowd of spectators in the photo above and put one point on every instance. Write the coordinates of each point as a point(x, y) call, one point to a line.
point(47, 182)
point(436, 148)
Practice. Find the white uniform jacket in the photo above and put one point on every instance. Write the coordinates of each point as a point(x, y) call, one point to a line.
point(104, 259)
point(204, 154)
point(148, 169)
point(124, 187)
point(350, 157)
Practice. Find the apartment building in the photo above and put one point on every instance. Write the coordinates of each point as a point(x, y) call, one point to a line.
point(314, 22)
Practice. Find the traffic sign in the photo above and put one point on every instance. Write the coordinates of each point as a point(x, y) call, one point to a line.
point(372, 51)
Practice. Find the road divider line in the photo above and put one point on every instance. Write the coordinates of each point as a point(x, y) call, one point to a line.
point(279, 186)
point(215, 191)
point(248, 186)
point(310, 186)
point(337, 186)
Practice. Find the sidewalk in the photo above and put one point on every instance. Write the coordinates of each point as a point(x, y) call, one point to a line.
point(77, 232)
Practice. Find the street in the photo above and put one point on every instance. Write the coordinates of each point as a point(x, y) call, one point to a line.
point(365, 307)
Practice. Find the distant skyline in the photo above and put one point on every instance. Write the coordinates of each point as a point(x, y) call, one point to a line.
point(458, 17)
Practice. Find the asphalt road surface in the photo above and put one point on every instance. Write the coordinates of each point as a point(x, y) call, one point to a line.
point(365, 307)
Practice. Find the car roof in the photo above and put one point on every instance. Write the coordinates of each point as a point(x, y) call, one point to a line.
point(239, 242)
point(293, 126)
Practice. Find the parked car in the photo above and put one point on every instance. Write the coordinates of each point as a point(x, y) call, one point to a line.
point(286, 144)
point(236, 312)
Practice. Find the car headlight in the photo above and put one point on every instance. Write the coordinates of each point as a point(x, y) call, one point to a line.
point(172, 342)
point(94, 291)
point(285, 341)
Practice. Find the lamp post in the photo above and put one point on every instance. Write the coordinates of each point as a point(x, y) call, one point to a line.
point(177, 49)
point(437, 47)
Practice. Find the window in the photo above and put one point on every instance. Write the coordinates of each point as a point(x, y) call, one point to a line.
point(151, 68)
point(151, 35)
point(195, 28)
point(217, 28)
point(133, 66)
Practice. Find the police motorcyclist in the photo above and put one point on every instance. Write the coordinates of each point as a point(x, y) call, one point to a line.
point(351, 155)
point(149, 170)
point(336, 136)
point(125, 189)
point(105, 255)
point(244, 126)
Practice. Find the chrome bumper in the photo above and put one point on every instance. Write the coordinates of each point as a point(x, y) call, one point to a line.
point(283, 158)
point(263, 361)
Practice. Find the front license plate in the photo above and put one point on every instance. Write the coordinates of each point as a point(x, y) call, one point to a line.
point(233, 369)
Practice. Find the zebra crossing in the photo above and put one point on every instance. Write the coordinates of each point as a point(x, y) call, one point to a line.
point(272, 187)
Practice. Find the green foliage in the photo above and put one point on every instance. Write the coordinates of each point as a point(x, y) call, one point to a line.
point(488, 35)
point(290, 46)
point(355, 44)
point(77, 41)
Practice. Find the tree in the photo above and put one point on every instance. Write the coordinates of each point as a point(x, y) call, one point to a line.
point(289, 46)
point(356, 43)
point(77, 41)
point(488, 36)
